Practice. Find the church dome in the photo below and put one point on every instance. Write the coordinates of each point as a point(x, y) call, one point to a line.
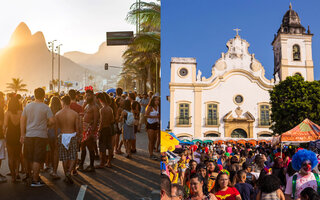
point(291, 23)
point(291, 17)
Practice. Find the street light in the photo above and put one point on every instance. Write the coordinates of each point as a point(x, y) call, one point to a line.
point(58, 52)
point(51, 45)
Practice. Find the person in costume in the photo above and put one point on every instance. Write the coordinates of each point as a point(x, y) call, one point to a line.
point(212, 173)
point(303, 161)
point(182, 166)
point(223, 189)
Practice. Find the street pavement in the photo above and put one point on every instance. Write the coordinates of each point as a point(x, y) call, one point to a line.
point(135, 178)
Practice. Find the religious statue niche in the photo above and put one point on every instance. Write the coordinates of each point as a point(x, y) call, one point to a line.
point(296, 52)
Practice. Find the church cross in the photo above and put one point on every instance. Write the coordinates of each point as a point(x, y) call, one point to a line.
point(237, 30)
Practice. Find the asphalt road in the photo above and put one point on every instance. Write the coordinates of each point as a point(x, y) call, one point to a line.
point(136, 178)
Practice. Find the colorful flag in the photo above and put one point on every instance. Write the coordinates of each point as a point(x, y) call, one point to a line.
point(168, 142)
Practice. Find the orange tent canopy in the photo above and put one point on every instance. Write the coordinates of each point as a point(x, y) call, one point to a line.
point(253, 142)
point(232, 141)
point(218, 142)
point(242, 141)
point(304, 132)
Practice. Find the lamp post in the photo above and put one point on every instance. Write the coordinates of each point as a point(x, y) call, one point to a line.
point(51, 45)
point(58, 52)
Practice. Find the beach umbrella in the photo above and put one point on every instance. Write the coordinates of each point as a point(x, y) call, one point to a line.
point(207, 141)
point(111, 90)
point(197, 140)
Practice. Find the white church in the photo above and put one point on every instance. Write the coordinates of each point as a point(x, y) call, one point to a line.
point(234, 101)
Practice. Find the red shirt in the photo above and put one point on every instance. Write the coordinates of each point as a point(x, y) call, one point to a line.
point(206, 149)
point(278, 154)
point(194, 148)
point(229, 194)
point(76, 107)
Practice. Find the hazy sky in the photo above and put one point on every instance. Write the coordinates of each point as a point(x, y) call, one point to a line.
point(80, 25)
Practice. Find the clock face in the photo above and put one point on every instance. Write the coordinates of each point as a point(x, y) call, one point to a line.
point(183, 72)
point(238, 99)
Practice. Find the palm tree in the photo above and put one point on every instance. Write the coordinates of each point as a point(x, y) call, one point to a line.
point(55, 83)
point(17, 86)
point(143, 55)
point(68, 85)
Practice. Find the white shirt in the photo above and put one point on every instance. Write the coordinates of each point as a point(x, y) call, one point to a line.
point(301, 183)
point(153, 113)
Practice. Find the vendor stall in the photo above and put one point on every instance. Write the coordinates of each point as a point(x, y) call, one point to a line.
point(305, 132)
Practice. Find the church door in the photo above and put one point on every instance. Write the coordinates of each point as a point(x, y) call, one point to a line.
point(239, 133)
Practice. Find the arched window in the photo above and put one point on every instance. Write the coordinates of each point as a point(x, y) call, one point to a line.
point(239, 133)
point(264, 115)
point(212, 135)
point(296, 52)
point(212, 114)
point(265, 135)
point(183, 114)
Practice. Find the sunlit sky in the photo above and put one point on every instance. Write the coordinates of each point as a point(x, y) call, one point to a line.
point(80, 25)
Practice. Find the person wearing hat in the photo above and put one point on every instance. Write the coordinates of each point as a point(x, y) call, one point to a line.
point(303, 161)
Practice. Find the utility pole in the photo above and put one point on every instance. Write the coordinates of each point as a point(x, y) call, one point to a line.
point(51, 45)
point(59, 71)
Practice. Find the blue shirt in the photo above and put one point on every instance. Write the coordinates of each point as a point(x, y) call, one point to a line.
point(245, 190)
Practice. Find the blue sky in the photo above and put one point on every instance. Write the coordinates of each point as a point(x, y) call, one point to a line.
point(201, 29)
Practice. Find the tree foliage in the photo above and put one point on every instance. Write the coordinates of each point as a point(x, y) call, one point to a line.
point(142, 58)
point(16, 86)
point(68, 85)
point(293, 100)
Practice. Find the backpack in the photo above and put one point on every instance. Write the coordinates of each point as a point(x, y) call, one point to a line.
point(130, 119)
point(294, 182)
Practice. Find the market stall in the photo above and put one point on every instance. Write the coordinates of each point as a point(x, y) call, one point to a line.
point(305, 132)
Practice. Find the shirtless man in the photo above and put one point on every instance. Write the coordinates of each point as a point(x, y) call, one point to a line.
point(90, 124)
point(78, 108)
point(105, 130)
point(118, 141)
point(68, 122)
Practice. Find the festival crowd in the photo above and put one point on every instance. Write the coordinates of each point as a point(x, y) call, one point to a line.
point(41, 130)
point(230, 171)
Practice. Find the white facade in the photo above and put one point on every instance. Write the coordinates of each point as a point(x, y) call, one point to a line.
point(234, 100)
point(237, 72)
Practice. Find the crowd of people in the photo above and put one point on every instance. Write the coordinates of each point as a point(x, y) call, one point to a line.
point(230, 171)
point(41, 130)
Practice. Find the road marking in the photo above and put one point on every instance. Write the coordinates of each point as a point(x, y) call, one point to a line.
point(82, 192)
point(54, 188)
point(101, 187)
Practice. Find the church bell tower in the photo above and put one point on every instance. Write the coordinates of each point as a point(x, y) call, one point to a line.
point(292, 49)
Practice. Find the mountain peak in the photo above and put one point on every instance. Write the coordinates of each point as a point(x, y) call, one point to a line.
point(21, 34)
point(38, 37)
